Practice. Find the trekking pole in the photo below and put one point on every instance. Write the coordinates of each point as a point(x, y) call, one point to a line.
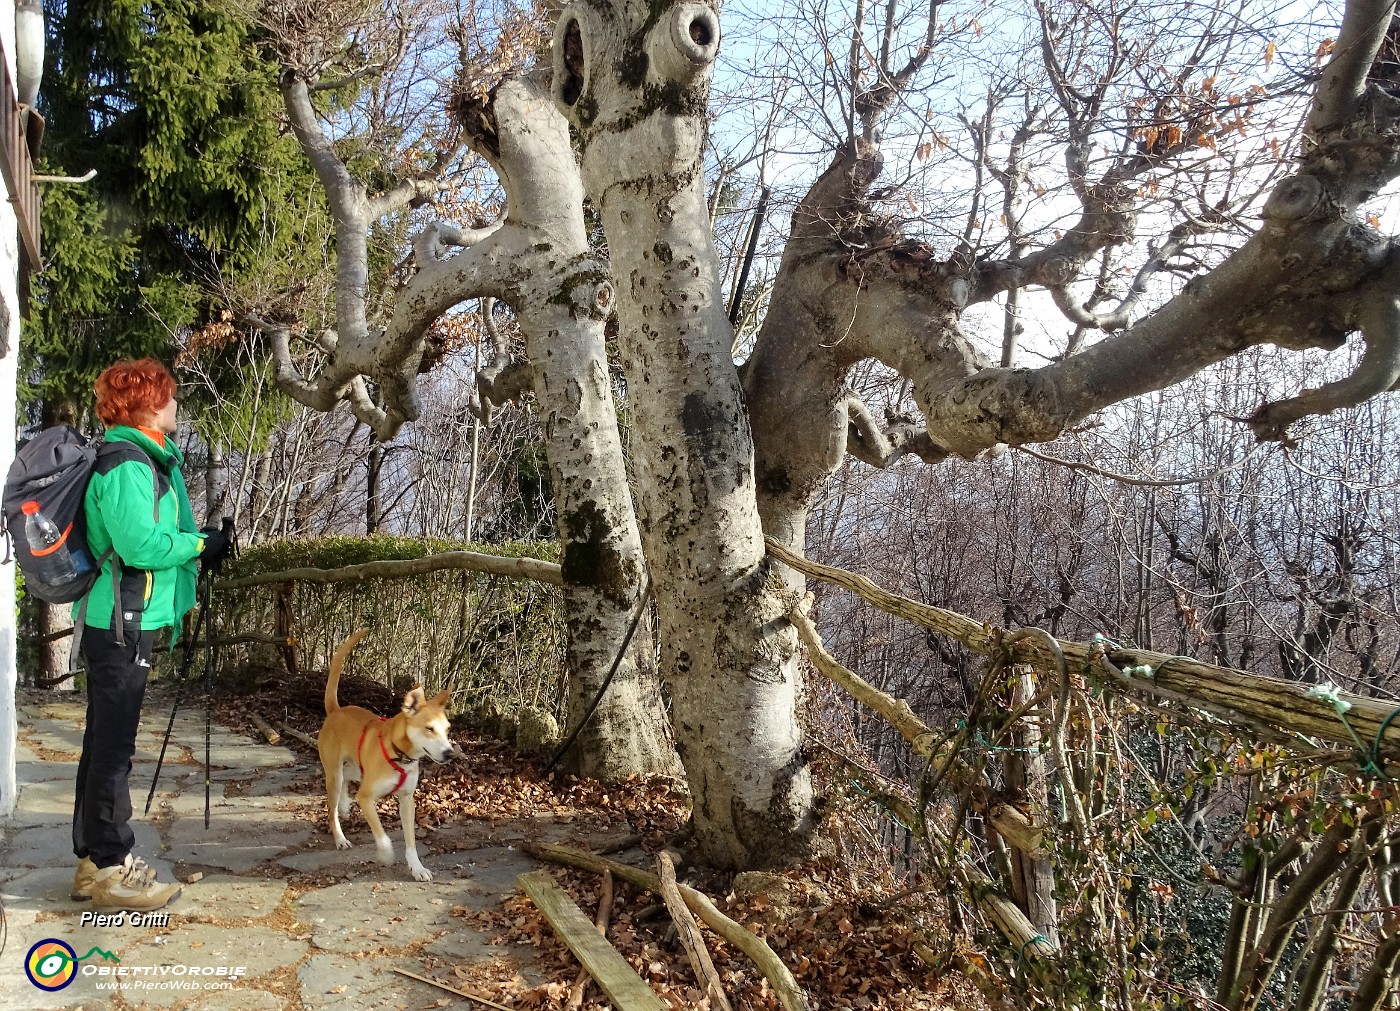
point(190, 642)
point(208, 715)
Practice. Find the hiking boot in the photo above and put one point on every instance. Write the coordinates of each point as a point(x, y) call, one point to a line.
point(83, 878)
point(86, 874)
point(131, 885)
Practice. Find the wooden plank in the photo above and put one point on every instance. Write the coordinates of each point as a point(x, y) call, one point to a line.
point(605, 901)
point(615, 977)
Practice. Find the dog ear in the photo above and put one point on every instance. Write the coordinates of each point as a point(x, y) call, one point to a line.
point(414, 701)
point(440, 699)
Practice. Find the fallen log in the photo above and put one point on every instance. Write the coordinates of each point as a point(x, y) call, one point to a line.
point(273, 737)
point(625, 989)
point(779, 977)
point(303, 738)
point(689, 933)
point(474, 561)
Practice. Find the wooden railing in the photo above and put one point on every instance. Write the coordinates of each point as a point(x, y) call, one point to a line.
point(1279, 712)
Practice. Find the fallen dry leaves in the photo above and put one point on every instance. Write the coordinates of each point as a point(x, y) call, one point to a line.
point(844, 956)
point(844, 947)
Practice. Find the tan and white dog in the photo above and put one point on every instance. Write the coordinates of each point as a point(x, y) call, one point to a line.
point(382, 755)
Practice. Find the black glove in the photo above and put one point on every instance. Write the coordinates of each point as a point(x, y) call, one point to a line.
point(218, 543)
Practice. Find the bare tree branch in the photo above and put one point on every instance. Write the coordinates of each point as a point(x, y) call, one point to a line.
point(1343, 85)
point(1141, 482)
point(341, 187)
point(1121, 316)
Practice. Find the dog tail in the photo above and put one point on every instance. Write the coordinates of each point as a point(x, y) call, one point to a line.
point(337, 663)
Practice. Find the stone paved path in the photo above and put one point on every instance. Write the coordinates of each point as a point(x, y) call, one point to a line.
point(311, 925)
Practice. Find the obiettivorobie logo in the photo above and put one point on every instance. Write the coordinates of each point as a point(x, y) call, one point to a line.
point(51, 964)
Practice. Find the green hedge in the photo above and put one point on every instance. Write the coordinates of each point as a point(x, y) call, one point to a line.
point(481, 636)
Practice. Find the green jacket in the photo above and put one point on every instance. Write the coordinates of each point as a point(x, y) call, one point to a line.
point(158, 568)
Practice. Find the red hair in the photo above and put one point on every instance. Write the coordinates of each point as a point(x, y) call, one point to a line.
point(130, 392)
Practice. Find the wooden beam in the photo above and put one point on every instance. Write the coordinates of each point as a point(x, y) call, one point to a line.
point(626, 990)
point(605, 901)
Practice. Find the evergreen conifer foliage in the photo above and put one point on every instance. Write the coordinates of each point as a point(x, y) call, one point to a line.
point(196, 184)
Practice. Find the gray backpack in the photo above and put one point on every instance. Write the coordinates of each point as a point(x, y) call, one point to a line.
point(52, 470)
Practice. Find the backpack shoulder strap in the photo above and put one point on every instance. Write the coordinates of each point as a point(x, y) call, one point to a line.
point(130, 452)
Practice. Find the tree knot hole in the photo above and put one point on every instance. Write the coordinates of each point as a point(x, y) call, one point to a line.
point(571, 78)
point(696, 33)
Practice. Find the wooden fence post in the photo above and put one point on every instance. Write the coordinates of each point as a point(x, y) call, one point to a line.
point(1032, 875)
point(283, 625)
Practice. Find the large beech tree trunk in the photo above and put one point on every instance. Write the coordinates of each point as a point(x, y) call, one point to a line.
point(537, 261)
point(602, 551)
point(562, 298)
point(634, 79)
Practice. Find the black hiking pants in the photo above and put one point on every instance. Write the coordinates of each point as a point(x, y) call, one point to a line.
point(116, 686)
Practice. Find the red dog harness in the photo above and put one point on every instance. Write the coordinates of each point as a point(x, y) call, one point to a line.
point(403, 773)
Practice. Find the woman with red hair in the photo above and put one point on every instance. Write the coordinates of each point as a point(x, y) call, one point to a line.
point(139, 521)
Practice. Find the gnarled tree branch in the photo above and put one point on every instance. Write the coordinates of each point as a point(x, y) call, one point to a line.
point(1378, 371)
point(881, 445)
